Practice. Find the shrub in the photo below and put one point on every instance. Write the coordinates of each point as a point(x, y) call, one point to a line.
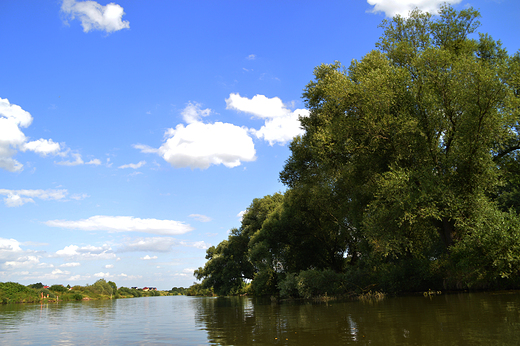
point(12, 292)
point(77, 296)
point(58, 288)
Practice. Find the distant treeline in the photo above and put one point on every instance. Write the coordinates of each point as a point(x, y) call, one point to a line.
point(12, 292)
point(406, 177)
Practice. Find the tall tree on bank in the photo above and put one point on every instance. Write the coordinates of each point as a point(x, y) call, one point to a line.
point(406, 175)
point(229, 267)
point(415, 137)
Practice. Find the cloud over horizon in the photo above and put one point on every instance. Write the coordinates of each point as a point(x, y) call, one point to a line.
point(113, 224)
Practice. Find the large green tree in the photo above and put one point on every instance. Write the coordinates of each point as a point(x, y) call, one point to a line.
point(416, 137)
point(229, 267)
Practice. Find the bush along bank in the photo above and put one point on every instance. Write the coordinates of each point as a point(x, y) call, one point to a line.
point(12, 292)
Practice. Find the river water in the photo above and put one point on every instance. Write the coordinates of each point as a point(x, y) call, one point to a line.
point(454, 319)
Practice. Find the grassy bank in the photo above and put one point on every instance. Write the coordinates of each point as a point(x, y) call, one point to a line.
point(12, 292)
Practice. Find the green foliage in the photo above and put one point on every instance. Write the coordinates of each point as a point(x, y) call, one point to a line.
point(101, 287)
point(12, 292)
point(178, 291)
point(77, 296)
point(129, 292)
point(36, 285)
point(228, 264)
point(200, 290)
point(489, 255)
point(406, 176)
point(58, 288)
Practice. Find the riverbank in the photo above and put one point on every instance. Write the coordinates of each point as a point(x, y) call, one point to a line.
point(13, 293)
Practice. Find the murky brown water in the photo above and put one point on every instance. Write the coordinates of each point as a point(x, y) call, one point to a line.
point(458, 319)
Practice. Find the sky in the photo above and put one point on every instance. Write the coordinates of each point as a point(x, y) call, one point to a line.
point(134, 134)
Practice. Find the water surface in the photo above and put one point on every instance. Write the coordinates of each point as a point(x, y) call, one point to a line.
point(457, 319)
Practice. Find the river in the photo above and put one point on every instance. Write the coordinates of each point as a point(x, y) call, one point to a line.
point(447, 319)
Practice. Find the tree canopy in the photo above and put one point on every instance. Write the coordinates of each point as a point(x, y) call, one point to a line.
point(406, 156)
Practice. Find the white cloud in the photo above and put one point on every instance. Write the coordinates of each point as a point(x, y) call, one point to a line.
point(94, 16)
point(12, 139)
point(196, 244)
point(133, 165)
point(23, 262)
point(16, 198)
point(12, 256)
point(16, 201)
point(9, 245)
point(281, 124)
point(259, 106)
point(78, 277)
point(241, 214)
point(392, 8)
point(95, 162)
point(102, 275)
point(151, 244)
point(77, 160)
point(200, 145)
point(86, 252)
point(79, 197)
point(109, 266)
point(201, 218)
point(42, 147)
point(193, 113)
point(251, 57)
point(124, 224)
point(146, 149)
point(147, 257)
point(12, 117)
point(71, 264)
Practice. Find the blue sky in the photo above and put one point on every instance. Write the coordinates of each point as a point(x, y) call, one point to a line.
point(133, 134)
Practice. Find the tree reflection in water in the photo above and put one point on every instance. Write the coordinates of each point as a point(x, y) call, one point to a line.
point(458, 319)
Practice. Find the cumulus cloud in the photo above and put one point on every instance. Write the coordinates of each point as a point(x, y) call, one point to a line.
point(86, 252)
point(392, 8)
point(151, 244)
point(16, 198)
point(133, 165)
point(124, 224)
point(71, 264)
point(42, 147)
point(77, 160)
point(102, 275)
point(241, 214)
point(12, 256)
point(94, 16)
point(9, 246)
point(12, 117)
point(147, 257)
point(281, 124)
point(12, 140)
point(200, 145)
point(201, 218)
point(196, 244)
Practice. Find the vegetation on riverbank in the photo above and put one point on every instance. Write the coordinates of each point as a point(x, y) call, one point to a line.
point(406, 177)
point(12, 292)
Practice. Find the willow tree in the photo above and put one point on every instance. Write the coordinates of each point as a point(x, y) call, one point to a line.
point(413, 137)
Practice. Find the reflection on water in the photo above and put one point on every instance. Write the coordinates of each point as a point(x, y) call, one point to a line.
point(462, 319)
point(459, 319)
